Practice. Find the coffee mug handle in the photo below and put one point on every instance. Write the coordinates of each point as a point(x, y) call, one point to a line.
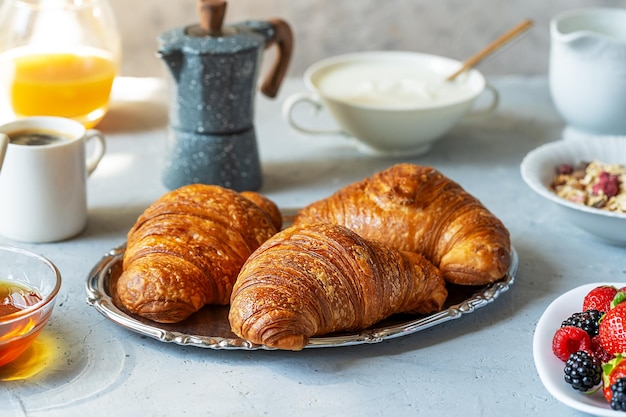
point(4, 143)
point(99, 150)
point(309, 98)
point(495, 101)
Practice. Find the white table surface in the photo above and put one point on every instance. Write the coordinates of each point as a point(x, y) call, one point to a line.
point(479, 365)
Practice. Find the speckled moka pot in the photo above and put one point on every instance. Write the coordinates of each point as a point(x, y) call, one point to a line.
point(214, 73)
point(229, 160)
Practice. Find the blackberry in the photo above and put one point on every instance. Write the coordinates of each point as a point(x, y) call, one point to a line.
point(586, 320)
point(618, 398)
point(583, 371)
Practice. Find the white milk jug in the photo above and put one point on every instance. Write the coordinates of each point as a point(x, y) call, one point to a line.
point(588, 69)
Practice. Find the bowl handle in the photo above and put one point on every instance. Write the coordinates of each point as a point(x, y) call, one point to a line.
point(484, 111)
point(313, 101)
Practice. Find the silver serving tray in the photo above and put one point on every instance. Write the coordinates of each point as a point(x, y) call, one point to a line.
point(209, 327)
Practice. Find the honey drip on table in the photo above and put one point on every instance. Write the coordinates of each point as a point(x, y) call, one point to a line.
point(35, 359)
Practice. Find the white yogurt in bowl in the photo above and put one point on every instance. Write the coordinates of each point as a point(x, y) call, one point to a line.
point(390, 103)
point(384, 85)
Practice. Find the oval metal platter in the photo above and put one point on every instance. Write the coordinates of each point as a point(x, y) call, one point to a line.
point(209, 327)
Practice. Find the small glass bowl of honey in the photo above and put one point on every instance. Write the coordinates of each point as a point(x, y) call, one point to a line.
point(29, 284)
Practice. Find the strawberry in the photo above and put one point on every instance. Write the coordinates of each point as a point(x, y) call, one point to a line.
point(611, 372)
point(598, 350)
point(612, 330)
point(619, 297)
point(599, 298)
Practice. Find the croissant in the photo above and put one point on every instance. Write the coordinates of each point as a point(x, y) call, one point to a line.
point(320, 279)
point(417, 209)
point(186, 249)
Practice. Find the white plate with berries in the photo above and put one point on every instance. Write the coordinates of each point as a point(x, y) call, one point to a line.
point(549, 342)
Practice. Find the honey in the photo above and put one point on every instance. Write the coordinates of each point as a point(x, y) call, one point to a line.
point(15, 297)
point(17, 335)
point(72, 85)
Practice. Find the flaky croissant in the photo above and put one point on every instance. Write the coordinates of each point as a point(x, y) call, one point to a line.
point(320, 279)
point(186, 250)
point(418, 209)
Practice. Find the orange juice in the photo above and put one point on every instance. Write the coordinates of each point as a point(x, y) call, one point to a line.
point(70, 85)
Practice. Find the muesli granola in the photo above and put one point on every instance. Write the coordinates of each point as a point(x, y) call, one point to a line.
point(594, 184)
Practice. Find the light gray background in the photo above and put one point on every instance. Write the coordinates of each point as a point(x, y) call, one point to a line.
point(453, 28)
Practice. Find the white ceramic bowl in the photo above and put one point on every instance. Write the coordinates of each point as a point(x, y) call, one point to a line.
point(392, 102)
point(538, 169)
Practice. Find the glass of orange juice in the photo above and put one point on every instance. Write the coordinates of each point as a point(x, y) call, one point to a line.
point(58, 58)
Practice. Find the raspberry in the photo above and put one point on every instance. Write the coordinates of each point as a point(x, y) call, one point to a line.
point(583, 371)
point(618, 398)
point(586, 320)
point(599, 298)
point(569, 339)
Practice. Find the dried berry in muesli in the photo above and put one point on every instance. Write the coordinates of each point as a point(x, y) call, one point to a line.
point(594, 184)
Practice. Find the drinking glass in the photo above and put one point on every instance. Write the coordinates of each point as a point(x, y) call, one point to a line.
point(58, 58)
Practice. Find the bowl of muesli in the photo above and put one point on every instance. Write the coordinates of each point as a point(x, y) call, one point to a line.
point(586, 179)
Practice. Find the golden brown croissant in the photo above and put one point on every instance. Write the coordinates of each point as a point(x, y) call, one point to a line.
point(320, 279)
point(186, 250)
point(418, 209)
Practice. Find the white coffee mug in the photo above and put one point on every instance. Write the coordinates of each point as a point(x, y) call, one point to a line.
point(43, 186)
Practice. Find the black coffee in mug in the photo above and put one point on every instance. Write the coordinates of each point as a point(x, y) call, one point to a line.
point(36, 137)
